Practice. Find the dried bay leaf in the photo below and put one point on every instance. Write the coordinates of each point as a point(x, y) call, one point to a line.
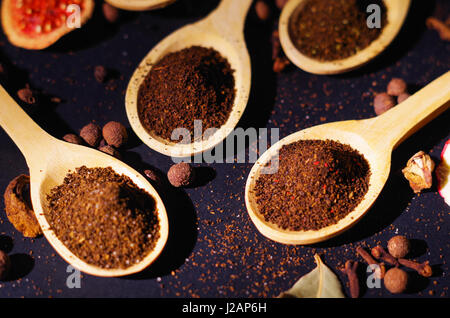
point(319, 283)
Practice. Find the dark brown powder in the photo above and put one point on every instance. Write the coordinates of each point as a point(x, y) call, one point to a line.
point(332, 30)
point(103, 217)
point(317, 184)
point(195, 83)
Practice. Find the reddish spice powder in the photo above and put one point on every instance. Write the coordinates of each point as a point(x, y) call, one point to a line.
point(317, 184)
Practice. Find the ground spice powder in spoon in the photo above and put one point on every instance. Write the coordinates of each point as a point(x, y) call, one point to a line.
point(318, 183)
point(195, 83)
point(332, 30)
point(103, 217)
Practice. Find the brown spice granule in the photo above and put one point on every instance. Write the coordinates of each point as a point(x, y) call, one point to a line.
point(317, 183)
point(332, 30)
point(195, 83)
point(103, 217)
point(26, 95)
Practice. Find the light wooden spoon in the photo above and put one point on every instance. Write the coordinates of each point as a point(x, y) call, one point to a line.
point(396, 13)
point(139, 5)
point(375, 138)
point(49, 160)
point(221, 30)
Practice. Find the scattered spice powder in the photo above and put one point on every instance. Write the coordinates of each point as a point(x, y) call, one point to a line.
point(333, 30)
point(317, 183)
point(195, 83)
point(103, 217)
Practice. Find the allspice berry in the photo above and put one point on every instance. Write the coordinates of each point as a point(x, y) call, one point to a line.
point(91, 134)
point(402, 97)
point(5, 265)
point(396, 280)
point(110, 150)
point(73, 139)
point(398, 246)
point(181, 175)
point(382, 103)
point(262, 10)
point(115, 134)
point(396, 87)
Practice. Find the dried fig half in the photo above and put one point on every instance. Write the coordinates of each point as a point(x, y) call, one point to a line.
point(37, 24)
point(18, 207)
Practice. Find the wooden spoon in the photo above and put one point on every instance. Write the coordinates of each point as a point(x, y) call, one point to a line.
point(375, 138)
point(139, 5)
point(49, 160)
point(396, 14)
point(221, 30)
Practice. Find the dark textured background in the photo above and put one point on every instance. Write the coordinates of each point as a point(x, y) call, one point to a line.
point(213, 249)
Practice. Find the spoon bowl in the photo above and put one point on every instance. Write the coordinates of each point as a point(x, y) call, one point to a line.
point(50, 160)
point(222, 30)
point(379, 166)
point(369, 137)
point(397, 11)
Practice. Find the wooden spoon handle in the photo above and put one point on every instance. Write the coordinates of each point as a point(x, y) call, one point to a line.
point(400, 122)
point(26, 134)
point(229, 17)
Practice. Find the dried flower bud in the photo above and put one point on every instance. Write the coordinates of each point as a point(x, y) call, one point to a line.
point(418, 171)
